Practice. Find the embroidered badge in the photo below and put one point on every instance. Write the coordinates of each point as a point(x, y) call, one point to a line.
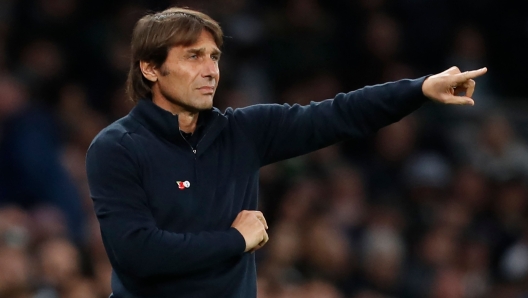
point(183, 184)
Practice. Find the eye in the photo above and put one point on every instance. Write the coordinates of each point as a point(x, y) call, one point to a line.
point(193, 56)
point(215, 57)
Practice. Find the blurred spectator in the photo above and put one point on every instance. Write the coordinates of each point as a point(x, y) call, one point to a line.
point(468, 52)
point(448, 283)
point(476, 261)
point(32, 173)
point(41, 69)
point(60, 267)
point(514, 262)
point(326, 250)
point(471, 188)
point(394, 146)
point(282, 257)
point(500, 154)
point(383, 258)
point(436, 251)
point(15, 273)
point(319, 87)
point(302, 32)
point(346, 196)
point(15, 227)
point(426, 171)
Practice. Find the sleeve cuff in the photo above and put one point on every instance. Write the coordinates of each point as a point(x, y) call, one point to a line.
point(418, 98)
point(237, 241)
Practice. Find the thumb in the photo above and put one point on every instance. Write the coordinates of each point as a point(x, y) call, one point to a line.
point(459, 100)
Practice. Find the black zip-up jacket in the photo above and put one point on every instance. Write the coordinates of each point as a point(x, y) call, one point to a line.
point(165, 205)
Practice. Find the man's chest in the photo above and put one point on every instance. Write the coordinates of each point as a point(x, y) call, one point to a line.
point(189, 192)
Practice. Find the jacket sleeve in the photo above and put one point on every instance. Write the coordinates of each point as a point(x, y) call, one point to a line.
point(134, 243)
point(283, 131)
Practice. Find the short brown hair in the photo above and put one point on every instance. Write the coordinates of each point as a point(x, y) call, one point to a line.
point(155, 34)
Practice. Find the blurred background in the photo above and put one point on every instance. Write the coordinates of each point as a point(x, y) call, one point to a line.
point(433, 206)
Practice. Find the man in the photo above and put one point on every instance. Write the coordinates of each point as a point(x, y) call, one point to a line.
point(175, 182)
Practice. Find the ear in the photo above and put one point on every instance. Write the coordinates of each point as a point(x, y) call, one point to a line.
point(148, 70)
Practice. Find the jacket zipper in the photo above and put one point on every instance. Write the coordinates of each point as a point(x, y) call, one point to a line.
point(193, 150)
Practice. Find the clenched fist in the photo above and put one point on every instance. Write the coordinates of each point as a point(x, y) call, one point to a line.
point(252, 225)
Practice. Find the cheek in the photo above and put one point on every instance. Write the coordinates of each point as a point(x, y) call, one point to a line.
point(173, 84)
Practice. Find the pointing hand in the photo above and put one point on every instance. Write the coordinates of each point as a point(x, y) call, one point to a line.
point(452, 86)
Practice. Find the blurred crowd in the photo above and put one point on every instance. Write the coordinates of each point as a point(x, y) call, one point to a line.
point(433, 206)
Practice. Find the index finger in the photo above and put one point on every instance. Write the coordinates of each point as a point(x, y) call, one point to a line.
point(468, 75)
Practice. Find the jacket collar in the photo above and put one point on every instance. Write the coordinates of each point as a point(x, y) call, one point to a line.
point(165, 124)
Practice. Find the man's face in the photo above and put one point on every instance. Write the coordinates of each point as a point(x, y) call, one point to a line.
point(190, 75)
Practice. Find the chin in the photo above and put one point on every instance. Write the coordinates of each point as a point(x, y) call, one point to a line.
point(201, 107)
point(195, 105)
point(207, 104)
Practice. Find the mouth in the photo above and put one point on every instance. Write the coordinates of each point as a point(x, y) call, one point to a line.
point(207, 89)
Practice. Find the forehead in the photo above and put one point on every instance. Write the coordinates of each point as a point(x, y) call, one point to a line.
point(205, 41)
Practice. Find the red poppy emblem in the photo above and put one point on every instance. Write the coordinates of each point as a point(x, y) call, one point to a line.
point(183, 184)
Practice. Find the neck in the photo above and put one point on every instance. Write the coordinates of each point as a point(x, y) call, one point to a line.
point(186, 119)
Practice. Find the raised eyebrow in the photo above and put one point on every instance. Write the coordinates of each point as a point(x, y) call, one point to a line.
point(196, 51)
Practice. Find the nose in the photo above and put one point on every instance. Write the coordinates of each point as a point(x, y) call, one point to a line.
point(210, 69)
